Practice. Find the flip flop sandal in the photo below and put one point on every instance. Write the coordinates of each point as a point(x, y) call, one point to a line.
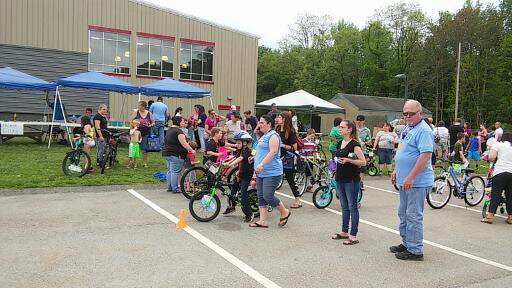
point(509, 221)
point(350, 242)
point(486, 221)
point(285, 219)
point(257, 225)
point(296, 207)
point(338, 236)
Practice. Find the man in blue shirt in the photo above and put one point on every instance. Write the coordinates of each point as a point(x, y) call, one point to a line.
point(415, 178)
point(160, 112)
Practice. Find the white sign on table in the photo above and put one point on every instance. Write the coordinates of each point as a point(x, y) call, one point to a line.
point(11, 128)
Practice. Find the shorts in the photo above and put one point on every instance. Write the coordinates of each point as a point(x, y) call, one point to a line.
point(144, 143)
point(134, 150)
point(473, 155)
point(385, 156)
point(89, 142)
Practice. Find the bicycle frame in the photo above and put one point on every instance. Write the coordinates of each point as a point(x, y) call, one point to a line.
point(458, 184)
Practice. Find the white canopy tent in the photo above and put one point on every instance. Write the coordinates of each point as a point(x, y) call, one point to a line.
point(301, 100)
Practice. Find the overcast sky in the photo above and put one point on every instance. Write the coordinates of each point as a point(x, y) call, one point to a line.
point(270, 19)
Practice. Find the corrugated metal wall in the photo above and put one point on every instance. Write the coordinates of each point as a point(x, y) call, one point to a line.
point(63, 25)
point(49, 65)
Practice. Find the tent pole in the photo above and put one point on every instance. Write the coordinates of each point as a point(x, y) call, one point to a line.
point(53, 116)
point(65, 120)
point(139, 97)
point(211, 102)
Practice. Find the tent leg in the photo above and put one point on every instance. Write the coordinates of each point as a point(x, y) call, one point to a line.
point(65, 121)
point(211, 102)
point(139, 98)
point(53, 117)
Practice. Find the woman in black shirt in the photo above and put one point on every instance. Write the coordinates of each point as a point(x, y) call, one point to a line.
point(349, 157)
point(175, 152)
point(288, 143)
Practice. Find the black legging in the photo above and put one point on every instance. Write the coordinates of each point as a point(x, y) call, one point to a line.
point(290, 177)
point(500, 182)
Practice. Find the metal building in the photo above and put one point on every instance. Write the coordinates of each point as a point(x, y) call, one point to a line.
point(131, 39)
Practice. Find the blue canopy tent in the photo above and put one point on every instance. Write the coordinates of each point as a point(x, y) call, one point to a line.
point(96, 81)
point(16, 80)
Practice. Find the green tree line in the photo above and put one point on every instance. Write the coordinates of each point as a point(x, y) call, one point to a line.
point(326, 57)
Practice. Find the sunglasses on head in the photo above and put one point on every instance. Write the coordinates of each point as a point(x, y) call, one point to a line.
point(410, 114)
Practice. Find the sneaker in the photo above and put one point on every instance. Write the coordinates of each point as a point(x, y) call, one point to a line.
point(229, 210)
point(406, 255)
point(249, 219)
point(398, 248)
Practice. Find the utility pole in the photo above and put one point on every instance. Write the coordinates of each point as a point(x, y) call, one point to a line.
point(457, 85)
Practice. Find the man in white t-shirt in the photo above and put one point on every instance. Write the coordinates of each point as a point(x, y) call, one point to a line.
point(234, 126)
point(442, 139)
point(498, 132)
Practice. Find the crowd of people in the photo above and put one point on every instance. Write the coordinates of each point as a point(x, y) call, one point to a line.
point(412, 142)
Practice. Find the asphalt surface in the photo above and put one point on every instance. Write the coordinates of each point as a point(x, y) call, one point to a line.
point(106, 237)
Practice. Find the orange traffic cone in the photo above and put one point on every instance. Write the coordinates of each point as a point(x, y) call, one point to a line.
point(181, 222)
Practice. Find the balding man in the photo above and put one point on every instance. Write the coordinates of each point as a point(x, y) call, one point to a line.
point(414, 177)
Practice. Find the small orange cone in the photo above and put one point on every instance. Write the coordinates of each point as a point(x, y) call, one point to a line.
point(181, 222)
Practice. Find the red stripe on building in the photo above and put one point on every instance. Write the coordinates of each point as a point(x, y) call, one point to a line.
point(107, 29)
point(186, 40)
point(157, 36)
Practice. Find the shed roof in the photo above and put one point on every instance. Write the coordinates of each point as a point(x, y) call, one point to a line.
point(375, 103)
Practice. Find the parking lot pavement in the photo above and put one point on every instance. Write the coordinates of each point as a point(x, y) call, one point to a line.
point(113, 239)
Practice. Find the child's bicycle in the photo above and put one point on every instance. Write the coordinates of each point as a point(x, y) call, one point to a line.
point(205, 205)
point(200, 178)
point(76, 162)
point(471, 188)
point(322, 197)
point(487, 202)
point(371, 167)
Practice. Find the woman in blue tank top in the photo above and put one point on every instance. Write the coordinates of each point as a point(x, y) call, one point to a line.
point(269, 170)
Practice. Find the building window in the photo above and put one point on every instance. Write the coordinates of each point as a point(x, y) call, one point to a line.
point(109, 52)
point(155, 57)
point(196, 61)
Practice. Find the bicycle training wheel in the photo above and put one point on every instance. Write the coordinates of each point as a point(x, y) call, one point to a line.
point(76, 163)
point(372, 170)
point(194, 180)
point(474, 190)
point(322, 197)
point(485, 208)
point(203, 207)
point(440, 193)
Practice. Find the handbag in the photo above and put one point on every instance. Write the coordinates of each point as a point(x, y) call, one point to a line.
point(288, 162)
point(153, 144)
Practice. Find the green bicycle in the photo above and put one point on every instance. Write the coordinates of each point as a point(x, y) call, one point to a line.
point(76, 162)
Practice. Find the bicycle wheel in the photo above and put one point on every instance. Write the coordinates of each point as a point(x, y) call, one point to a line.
point(322, 197)
point(194, 180)
point(253, 200)
point(359, 196)
point(113, 157)
point(440, 193)
point(396, 187)
point(474, 190)
point(302, 181)
point(76, 163)
point(106, 159)
point(280, 184)
point(203, 207)
point(372, 170)
point(231, 179)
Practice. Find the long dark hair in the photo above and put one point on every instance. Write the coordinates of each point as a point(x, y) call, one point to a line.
point(286, 126)
point(351, 125)
point(200, 109)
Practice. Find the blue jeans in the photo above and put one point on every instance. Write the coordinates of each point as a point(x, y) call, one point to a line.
point(348, 199)
point(158, 129)
point(190, 134)
point(266, 187)
point(410, 213)
point(174, 165)
point(200, 133)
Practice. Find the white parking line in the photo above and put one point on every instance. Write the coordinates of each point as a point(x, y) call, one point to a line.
point(449, 249)
point(451, 205)
point(208, 243)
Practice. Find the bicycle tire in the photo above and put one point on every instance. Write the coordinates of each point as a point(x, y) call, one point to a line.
point(280, 184)
point(468, 196)
point(301, 181)
point(439, 183)
point(200, 201)
point(231, 179)
point(359, 196)
point(253, 200)
point(106, 156)
point(201, 183)
point(72, 156)
point(113, 156)
point(322, 197)
point(372, 170)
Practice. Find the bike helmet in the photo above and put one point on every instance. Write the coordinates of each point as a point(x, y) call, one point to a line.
point(243, 136)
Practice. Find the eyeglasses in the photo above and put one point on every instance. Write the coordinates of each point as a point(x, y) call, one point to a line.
point(410, 114)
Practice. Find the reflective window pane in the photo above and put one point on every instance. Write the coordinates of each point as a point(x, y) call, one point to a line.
point(168, 43)
point(184, 76)
point(197, 62)
point(197, 77)
point(110, 52)
point(207, 63)
point(111, 36)
point(185, 45)
point(123, 51)
point(207, 78)
point(96, 51)
point(142, 40)
point(167, 74)
point(143, 56)
point(123, 37)
point(155, 57)
point(167, 59)
point(154, 41)
point(185, 61)
point(96, 34)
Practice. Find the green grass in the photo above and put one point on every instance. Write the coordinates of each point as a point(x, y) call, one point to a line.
point(26, 164)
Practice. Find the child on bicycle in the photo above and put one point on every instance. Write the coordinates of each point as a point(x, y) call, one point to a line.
point(135, 140)
point(474, 149)
point(244, 159)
